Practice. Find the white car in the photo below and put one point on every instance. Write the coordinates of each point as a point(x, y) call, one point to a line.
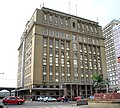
point(40, 98)
point(49, 99)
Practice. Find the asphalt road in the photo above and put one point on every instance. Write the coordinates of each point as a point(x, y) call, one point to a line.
point(36, 104)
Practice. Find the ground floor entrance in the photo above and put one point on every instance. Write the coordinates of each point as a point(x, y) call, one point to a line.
point(70, 90)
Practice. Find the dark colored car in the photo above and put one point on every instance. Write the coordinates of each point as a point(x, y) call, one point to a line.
point(13, 100)
point(77, 98)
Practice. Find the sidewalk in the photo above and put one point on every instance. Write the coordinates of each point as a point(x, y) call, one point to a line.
point(72, 106)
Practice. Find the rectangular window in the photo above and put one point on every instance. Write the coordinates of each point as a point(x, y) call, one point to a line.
point(91, 29)
point(45, 31)
point(56, 20)
point(75, 55)
point(85, 40)
point(74, 38)
point(68, 70)
point(57, 70)
point(93, 41)
point(51, 32)
point(83, 27)
point(50, 69)
point(51, 50)
point(50, 59)
point(74, 46)
point(95, 29)
point(87, 28)
point(80, 46)
point(45, 50)
point(56, 53)
point(45, 17)
point(62, 34)
point(68, 78)
point(66, 22)
point(45, 41)
point(80, 39)
point(44, 68)
point(78, 26)
point(67, 45)
point(67, 36)
point(56, 43)
point(89, 40)
point(62, 69)
point(44, 77)
point(56, 33)
point(61, 21)
point(50, 78)
point(50, 19)
point(51, 42)
point(62, 43)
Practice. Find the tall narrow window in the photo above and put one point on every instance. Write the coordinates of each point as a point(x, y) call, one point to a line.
point(45, 31)
point(56, 43)
point(78, 26)
point(45, 41)
point(67, 36)
point(45, 17)
point(56, 33)
point(50, 19)
point(56, 20)
point(51, 32)
point(66, 22)
point(51, 42)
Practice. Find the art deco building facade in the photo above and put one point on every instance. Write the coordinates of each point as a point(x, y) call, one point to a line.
point(58, 54)
point(110, 33)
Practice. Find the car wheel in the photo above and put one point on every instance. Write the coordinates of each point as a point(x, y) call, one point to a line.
point(5, 103)
point(19, 103)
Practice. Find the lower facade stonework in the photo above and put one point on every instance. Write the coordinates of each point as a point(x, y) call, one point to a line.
point(70, 90)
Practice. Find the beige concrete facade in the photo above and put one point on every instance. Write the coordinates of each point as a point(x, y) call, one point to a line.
point(58, 55)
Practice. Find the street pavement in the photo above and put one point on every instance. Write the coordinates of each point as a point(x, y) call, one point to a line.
point(36, 104)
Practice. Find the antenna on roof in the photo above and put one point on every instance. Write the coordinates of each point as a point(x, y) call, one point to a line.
point(40, 6)
point(43, 4)
point(69, 7)
point(97, 19)
point(76, 9)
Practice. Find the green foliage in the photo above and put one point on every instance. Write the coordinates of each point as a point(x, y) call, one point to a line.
point(98, 81)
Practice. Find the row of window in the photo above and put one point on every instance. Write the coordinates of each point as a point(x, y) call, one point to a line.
point(61, 34)
point(65, 22)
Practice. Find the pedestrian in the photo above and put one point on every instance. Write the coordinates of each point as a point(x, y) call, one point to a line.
point(31, 99)
point(66, 99)
point(63, 98)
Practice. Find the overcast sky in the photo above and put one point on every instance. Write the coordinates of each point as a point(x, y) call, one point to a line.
point(15, 13)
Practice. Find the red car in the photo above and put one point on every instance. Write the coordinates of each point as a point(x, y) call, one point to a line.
point(77, 98)
point(59, 99)
point(13, 100)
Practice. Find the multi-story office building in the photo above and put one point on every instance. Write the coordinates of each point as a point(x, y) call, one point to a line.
point(58, 55)
point(110, 34)
point(116, 36)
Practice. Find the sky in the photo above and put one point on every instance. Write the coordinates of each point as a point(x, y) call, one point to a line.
point(14, 14)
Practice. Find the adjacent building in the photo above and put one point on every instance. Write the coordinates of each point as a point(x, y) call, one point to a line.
point(58, 54)
point(111, 32)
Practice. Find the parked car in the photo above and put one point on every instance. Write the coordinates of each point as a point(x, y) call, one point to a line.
point(49, 99)
point(40, 98)
point(91, 97)
point(77, 98)
point(13, 100)
point(59, 99)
